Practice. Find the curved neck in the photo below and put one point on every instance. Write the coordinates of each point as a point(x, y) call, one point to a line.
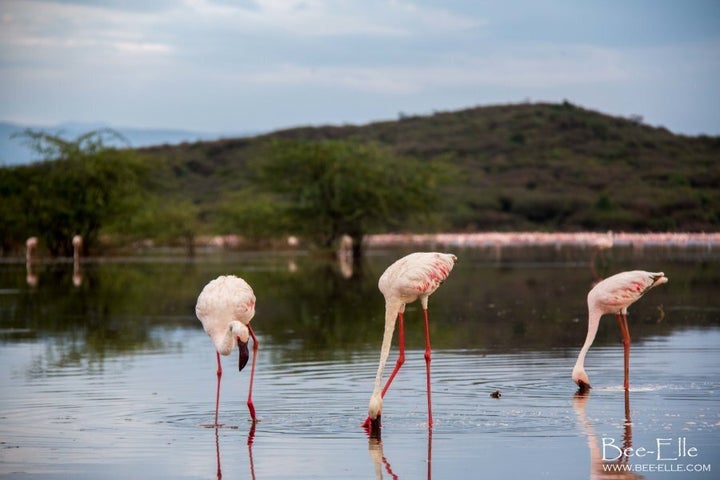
point(593, 323)
point(391, 312)
point(225, 341)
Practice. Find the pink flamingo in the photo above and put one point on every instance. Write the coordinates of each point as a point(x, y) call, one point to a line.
point(30, 247)
point(225, 307)
point(77, 247)
point(614, 295)
point(415, 276)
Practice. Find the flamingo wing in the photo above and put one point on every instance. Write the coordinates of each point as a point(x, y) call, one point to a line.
point(618, 292)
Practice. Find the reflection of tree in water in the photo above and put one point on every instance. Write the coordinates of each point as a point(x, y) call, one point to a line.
point(318, 309)
point(113, 311)
point(314, 312)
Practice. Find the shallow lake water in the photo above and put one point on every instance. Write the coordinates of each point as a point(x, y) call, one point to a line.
point(110, 375)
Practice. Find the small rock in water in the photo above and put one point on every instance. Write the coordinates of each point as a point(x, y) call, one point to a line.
point(496, 394)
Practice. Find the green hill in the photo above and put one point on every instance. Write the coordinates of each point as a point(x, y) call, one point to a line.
point(522, 166)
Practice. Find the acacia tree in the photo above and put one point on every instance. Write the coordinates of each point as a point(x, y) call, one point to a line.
point(327, 189)
point(81, 186)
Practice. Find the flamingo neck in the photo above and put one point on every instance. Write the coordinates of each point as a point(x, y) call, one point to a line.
point(391, 312)
point(593, 323)
point(225, 341)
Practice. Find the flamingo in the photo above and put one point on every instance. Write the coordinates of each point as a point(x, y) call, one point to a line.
point(344, 255)
point(415, 276)
point(225, 307)
point(77, 246)
point(30, 246)
point(614, 295)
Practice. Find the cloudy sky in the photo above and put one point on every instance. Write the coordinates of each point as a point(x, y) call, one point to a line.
point(259, 65)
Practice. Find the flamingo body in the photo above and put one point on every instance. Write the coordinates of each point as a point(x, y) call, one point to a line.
point(225, 308)
point(415, 276)
point(614, 295)
point(30, 246)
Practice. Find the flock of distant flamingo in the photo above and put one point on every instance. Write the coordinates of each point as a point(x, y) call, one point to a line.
point(227, 305)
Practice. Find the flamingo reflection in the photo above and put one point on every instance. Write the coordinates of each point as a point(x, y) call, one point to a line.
point(380, 461)
point(217, 453)
point(250, 440)
point(77, 249)
point(344, 255)
point(601, 468)
point(30, 275)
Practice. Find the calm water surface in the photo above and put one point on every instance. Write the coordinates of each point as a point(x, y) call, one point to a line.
point(114, 377)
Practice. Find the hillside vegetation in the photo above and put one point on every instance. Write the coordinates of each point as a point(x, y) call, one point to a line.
point(516, 167)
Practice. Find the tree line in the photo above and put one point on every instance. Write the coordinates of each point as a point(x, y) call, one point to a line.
point(530, 167)
point(317, 190)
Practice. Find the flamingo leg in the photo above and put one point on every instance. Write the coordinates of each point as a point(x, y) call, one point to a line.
point(250, 404)
point(217, 393)
point(625, 331)
point(401, 354)
point(428, 355)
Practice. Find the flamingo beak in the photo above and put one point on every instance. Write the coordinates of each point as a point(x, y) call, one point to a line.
point(583, 387)
point(243, 355)
point(372, 427)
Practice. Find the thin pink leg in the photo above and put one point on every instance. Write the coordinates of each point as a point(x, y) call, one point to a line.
point(627, 352)
point(401, 355)
point(217, 393)
point(428, 355)
point(250, 404)
point(622, 323)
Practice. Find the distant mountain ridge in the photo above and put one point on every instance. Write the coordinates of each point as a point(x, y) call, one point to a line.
point(529, 166)
point(14, 151)
point(517, 167)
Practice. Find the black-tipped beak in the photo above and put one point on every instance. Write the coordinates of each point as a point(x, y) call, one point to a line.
point(583, 387)
point(243, 355)
point(375, 426)
point(372, 427)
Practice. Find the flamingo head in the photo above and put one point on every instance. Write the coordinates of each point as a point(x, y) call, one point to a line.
point(372, 422)
point(241, 333)
point(580, 377)
point(658, 279)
